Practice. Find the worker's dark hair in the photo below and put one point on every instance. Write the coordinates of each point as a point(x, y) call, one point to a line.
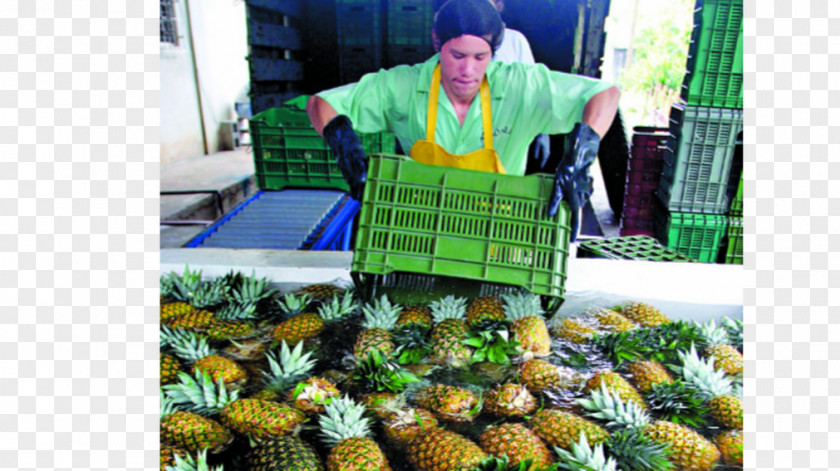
point(474, 17)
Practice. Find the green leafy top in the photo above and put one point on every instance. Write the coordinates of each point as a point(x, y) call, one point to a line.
point(522, 304)
point(186, 345)
point(188, 463)
point(292, 366)
point(251, 290)
point(494, 346)
point(605, 404)
point(335, 309)
point(343, 419)
point(584, 458)
point(713, 334)
point(677, 403)
point(381, 314)
point(449, 307)
point(237, 312)
point(634, 450)
point(293, 305)
point(379, 373)
point(199, 394)
point(701, 375)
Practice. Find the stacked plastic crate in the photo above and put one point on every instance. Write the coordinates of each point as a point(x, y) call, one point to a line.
point(289, 153)
point(409, 25)
point(644, 168)
point(360, 28)
point(692, 217)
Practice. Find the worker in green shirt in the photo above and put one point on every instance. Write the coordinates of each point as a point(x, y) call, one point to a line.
point(461, 110)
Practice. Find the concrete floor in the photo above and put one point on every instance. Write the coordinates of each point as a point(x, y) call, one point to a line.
point(227, 178)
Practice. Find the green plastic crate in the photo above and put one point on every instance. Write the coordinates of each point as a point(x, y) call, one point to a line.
point(359, 23)
point(735, 241)
point(715, 65)
point(699, 158)
point(693, 234)
point(637, 247)
point(737, 208)
point(409, 22)
point(446, 222)
point(288, 152)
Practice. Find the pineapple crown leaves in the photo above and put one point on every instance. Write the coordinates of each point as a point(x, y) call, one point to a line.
point(292, 305)
point(412, 344)
point(199, 394)
point(494, 463)
point(381, 314)
point(379, 373)
point(583, 457)
point(735, 330)
point(167, 405)
point(701, 374)
point(209, 294)
point(252, 290)
point(677, 403)
point(633, 450)
point(185, 286)
point(292, 366)
point(237, 312)
point(343, 419)
point(189, 463)
point(188, 346)
point(167, 286)
point(605, 404)
point(169, 336)
point(712, 334)
point(522, 304)
point(494, 346)
point(335, 309)
point(448, 307)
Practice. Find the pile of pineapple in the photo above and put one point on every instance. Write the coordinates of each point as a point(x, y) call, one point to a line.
point(316, 379)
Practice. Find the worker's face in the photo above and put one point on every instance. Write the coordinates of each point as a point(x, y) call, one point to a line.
point(463, 61)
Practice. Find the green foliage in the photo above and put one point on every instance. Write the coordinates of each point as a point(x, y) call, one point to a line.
point(633, 450)
point(494, 346)
point(658, 344)
point(379, 373)
point(413, 344)
point(677, 403)
point(660, 46)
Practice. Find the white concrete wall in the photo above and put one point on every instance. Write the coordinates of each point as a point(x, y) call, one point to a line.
point(219, 29)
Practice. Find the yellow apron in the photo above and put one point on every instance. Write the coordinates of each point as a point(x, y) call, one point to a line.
point(428, 152)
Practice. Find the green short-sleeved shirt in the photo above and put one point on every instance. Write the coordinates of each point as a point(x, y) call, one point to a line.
point(526, 100)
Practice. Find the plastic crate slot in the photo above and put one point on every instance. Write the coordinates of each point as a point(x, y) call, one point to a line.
point(385, 192)
point(379, 239)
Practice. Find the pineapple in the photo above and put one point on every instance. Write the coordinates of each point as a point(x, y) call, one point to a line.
point(731, 446)
point(574, 330)
point(442, 450)
point(449, 332)
point(484, 308)
point(645, 374)
point(617, 383)
point(193, 432)
point(167, 455)
point(644, 315)
point(558, 428)
point(287, 452)
point(538, 375)
point(380, 319)
point(310, 396)
point(258, 419)
point(585, 458)
point(516, 443)
point(237, 312)
point(321, 291)
point(689, 450)
point(403, 425)
point(725, 407)
point(528, 327)
point(228, 330)
point(415, 316)
point(612, 321)
point(347, 434)
point(727, 357)
point(170, 311)
point(219, 367)
point(449, 402)
point(169, 368)
point(196, 320)
point(510, 400)
point(634, 450)
point(310, 324)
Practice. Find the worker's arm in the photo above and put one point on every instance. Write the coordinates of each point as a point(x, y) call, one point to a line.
point(320, 113)
point(601, 109)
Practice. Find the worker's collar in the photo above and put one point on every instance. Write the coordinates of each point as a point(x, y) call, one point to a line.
point(425, 79)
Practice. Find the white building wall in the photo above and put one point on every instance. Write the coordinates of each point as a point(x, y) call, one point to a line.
point(219, 29)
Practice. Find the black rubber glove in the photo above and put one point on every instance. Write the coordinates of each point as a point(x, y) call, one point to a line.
point(541, 150)
point(345, 143)
point(571, 180)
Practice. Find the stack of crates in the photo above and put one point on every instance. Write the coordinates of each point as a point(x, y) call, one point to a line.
point(692, 216)
point(644, 168)
point(409, 31)
point(360, 28)
point(732, 246)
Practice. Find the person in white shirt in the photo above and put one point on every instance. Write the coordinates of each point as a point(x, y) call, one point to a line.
point(515, 48)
